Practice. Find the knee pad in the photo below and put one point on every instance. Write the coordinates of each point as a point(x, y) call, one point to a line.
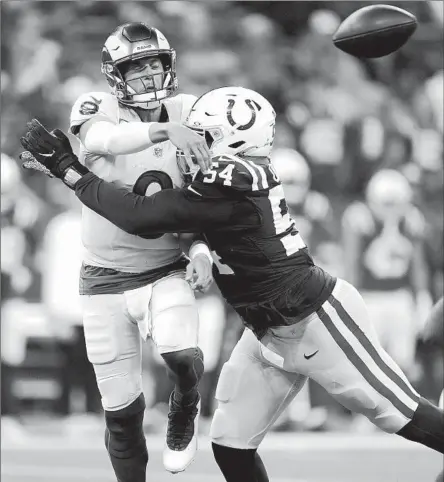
point(120, 391)
point(223, 428)
point(186, 363)
point(124, 437)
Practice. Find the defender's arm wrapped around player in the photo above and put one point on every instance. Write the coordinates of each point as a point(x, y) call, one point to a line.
point(169, 211)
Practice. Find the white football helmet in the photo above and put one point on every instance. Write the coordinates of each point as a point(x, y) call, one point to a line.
point(293, 172)
point(388, 193)
point(133, 41)
point(234, 121)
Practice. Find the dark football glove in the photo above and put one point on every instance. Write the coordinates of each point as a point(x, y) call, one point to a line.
point(51, 153)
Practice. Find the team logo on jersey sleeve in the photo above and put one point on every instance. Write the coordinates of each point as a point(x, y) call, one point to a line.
point(90, 107)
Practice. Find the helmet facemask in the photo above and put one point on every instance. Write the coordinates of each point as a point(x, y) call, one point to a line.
point(212, 135)
point(142, 91)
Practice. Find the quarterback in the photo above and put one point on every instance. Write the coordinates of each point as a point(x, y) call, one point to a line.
point(301, 322)
point(130, 135)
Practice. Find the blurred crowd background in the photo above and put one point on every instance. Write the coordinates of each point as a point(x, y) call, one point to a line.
point(341, 121)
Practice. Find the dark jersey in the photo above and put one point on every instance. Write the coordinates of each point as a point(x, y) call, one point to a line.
point(240, 208)
point(387, 249)
point(253, 263)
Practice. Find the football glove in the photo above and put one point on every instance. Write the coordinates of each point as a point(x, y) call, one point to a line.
point(51, 153)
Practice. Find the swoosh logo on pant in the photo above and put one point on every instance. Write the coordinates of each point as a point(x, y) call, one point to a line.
point(307, 357)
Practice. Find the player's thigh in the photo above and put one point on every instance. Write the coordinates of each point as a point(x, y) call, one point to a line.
point(175, 316)
point(251, 394)
point(113, 346)
point(353, 367)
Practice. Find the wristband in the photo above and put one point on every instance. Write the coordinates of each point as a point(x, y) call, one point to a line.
point(200, 248)
point(72, 175)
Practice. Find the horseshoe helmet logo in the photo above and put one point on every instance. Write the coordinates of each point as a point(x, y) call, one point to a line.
point(251, 122)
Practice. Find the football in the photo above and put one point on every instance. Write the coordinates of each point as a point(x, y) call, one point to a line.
point(375, 31)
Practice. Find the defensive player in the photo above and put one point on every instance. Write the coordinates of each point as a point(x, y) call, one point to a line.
point(301, 322)
point(312, 213)
point(383, 239)
point(127, 282)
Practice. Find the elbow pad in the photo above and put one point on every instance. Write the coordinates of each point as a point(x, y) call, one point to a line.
point(117, 139)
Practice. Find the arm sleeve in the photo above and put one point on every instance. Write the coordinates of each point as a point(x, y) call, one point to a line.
point(167, 211)
point(104, 134)
point(116, 139)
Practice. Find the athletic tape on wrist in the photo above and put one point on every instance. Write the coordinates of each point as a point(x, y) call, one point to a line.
point(71, 177)
point(200, 248)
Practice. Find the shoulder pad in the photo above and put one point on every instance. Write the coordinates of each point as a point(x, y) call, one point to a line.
point(358, 217)
point(90, 105)
point(238, 174)
point(415, 223)
point(179, 106)
point(317, 206)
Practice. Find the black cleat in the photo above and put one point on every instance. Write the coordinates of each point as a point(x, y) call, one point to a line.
point(181, 440)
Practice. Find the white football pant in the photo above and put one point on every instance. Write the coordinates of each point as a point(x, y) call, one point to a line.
point(115, 325)
point(336, 347)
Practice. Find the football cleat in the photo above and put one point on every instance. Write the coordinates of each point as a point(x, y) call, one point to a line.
point(182, 433)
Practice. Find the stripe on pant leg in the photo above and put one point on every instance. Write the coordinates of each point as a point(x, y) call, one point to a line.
point(367, 359)
point(371, 350)
point(361, 366)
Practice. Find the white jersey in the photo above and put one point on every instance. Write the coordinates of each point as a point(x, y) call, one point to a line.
point(107, 246)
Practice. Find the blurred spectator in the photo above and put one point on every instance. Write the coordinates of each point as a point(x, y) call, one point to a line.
point(21, 215)
point(311, 210)
point(383, 239)
point(61, 260)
